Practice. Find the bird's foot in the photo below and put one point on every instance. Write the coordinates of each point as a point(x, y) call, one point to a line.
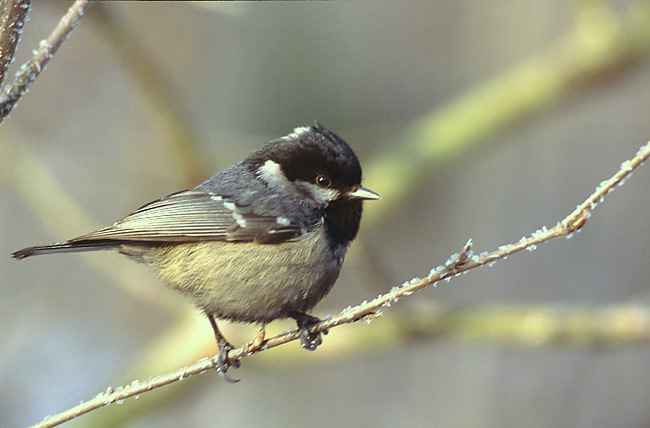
point(223, 365)
point(309, 341)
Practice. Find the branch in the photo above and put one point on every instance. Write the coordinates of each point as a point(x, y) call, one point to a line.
point(458, 263)
point(32, 68)
point(13, 14)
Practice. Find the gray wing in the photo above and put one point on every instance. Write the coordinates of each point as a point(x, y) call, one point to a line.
point(190, 216)
point(196, 215)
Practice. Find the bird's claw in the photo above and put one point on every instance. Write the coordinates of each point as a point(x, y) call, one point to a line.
point(223, 365)
point(308, 340)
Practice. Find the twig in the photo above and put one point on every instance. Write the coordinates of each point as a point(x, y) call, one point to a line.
point(455, 265)
point(13, 14)
point(32, 68)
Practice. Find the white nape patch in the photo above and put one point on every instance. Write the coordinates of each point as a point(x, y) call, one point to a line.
point(230, 205)
point(272, 174)
point(241, 221)
point(216, 197)
point(283, 221)
point(296, 133)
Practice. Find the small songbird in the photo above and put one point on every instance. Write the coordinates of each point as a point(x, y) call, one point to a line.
point(262, 240)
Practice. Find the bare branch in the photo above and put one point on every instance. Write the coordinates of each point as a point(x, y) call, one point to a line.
point(13, 14)
point(455, 265)
point(32, 68)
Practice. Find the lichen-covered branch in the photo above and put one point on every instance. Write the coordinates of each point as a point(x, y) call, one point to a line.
point(32, 68)
point(458, 263)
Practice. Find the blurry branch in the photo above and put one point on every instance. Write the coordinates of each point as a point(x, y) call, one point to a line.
point(534, 325)
point(156, 89)
point(458, 263)
point(13, 14)
point(60, 215)
point(601, 45)
point(32, 68)
point(57, 211)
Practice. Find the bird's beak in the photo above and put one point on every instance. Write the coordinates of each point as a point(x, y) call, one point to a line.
point(363, 193)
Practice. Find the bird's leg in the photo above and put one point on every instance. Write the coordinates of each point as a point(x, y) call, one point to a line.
point(257, 341)
point(224, 347)
point(308, 340)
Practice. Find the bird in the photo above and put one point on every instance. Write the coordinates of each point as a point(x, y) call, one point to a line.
point(262, 240)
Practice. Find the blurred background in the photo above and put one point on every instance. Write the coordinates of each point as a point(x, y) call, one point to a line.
point(482, 120)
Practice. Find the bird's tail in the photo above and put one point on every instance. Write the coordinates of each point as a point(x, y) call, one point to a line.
point(64, 247)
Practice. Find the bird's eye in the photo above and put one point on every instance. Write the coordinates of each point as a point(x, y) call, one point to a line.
point(323, 180)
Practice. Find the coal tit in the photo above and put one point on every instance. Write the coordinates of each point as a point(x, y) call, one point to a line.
point(262, 240)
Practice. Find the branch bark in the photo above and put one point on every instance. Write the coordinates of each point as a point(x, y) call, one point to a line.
point(458, 263)
point(13, 14)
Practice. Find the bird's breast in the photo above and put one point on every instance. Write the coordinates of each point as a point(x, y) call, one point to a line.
point(245, 281)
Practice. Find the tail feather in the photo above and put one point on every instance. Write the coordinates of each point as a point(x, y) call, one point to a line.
point(63, 247)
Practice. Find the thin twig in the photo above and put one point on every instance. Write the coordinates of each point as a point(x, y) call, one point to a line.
point(13, 14)
point(32, 68)
point(455, 265)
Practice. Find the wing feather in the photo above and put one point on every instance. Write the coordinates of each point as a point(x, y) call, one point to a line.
point(195, 215)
